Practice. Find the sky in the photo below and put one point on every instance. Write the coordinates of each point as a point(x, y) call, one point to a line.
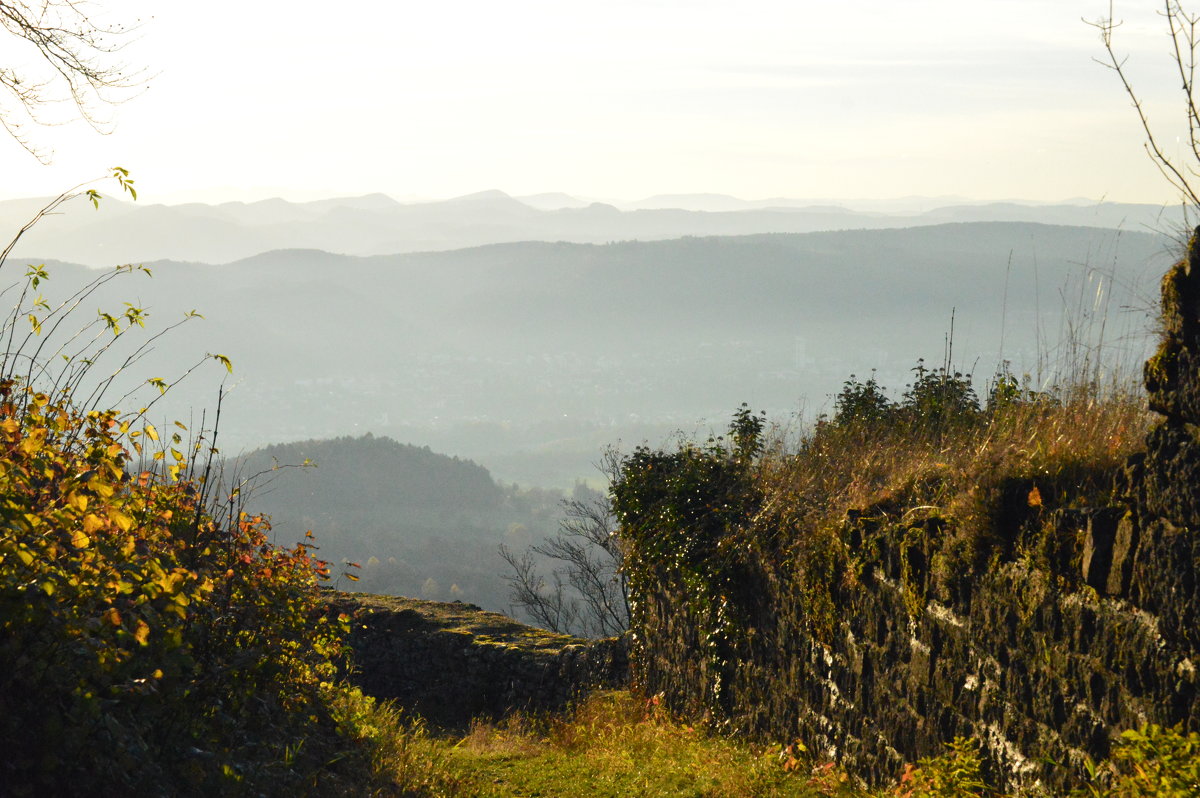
point(624, 99)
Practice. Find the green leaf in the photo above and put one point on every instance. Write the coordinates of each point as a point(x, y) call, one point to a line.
point(223, 360)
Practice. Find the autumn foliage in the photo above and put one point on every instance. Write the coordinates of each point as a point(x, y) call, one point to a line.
point(152, 642)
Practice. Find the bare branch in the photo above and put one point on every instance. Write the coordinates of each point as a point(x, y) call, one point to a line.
point(69, 57)
point(588, 594)
point(1183, 35)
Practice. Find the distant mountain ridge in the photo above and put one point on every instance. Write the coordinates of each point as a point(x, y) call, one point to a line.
point(376, 224)
point(558, 348)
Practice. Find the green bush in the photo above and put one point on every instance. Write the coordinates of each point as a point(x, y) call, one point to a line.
point(1148, 761)
point(676, 508)
point(938, 398)
point(862, 403)
point(954, 774)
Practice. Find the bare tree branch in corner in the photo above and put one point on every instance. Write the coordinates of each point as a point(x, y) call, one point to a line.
point(587, 593)
point(1184, 41)
point(68, 57)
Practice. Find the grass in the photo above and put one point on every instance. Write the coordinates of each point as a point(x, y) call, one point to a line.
point(860, 465)
point(1069, 446)
point(615, 745)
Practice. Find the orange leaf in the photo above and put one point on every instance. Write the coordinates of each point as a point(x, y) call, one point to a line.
point(111, 617)
point(1035, 497)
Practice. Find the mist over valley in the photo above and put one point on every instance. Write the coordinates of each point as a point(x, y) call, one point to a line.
point(530, 358)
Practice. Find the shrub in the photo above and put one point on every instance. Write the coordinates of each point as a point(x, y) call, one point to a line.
point(1150, 760)
point(145, 642)
point(153, 640)
point(862, 403)
point(954, 774)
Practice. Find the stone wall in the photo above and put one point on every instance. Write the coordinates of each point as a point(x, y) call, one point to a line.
point(1078, 624)
point(452, 662)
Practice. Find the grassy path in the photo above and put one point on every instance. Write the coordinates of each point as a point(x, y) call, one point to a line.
point(616, 746)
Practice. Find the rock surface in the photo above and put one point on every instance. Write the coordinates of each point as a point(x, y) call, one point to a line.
point(452, 662)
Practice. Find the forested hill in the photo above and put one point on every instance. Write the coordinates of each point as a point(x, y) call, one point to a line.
point(419, 523)
point(354, 475)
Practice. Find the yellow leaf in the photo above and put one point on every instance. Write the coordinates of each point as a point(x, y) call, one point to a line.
point(142, 633)
point(77, 500)
point(111, 617)
point(35, 441)
point(99, 486)
point(123, 521)
point(92, 522)
point(1035, 497)
point(151, 432)
point(79, 540)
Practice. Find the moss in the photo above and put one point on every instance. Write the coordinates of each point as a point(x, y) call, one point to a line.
point(1160, 370)
point(913, 568)
point(1173, 288)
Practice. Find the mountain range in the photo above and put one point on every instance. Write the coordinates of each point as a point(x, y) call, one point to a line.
point(126, 232)
point(530, 357)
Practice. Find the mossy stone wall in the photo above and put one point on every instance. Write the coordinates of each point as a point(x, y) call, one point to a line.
point(1070, 628)
point(453, 662)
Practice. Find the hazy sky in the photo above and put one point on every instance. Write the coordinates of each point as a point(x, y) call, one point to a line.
point(626, 98)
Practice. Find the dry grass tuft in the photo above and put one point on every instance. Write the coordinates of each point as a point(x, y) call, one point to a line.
point(1069, 447)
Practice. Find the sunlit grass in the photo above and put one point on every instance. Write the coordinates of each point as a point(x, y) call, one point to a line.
point(615, 745)
point(1071, 447)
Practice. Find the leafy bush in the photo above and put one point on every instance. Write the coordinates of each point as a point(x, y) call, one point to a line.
point(153, 639)
point(938, 398)
point(862, 403)
point(954, 774)
point(1150, 760)
point(676, 507)
point(145, 641)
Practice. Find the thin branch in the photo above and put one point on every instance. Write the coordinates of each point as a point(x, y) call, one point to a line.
point(1165, 165)
point(77, 62)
